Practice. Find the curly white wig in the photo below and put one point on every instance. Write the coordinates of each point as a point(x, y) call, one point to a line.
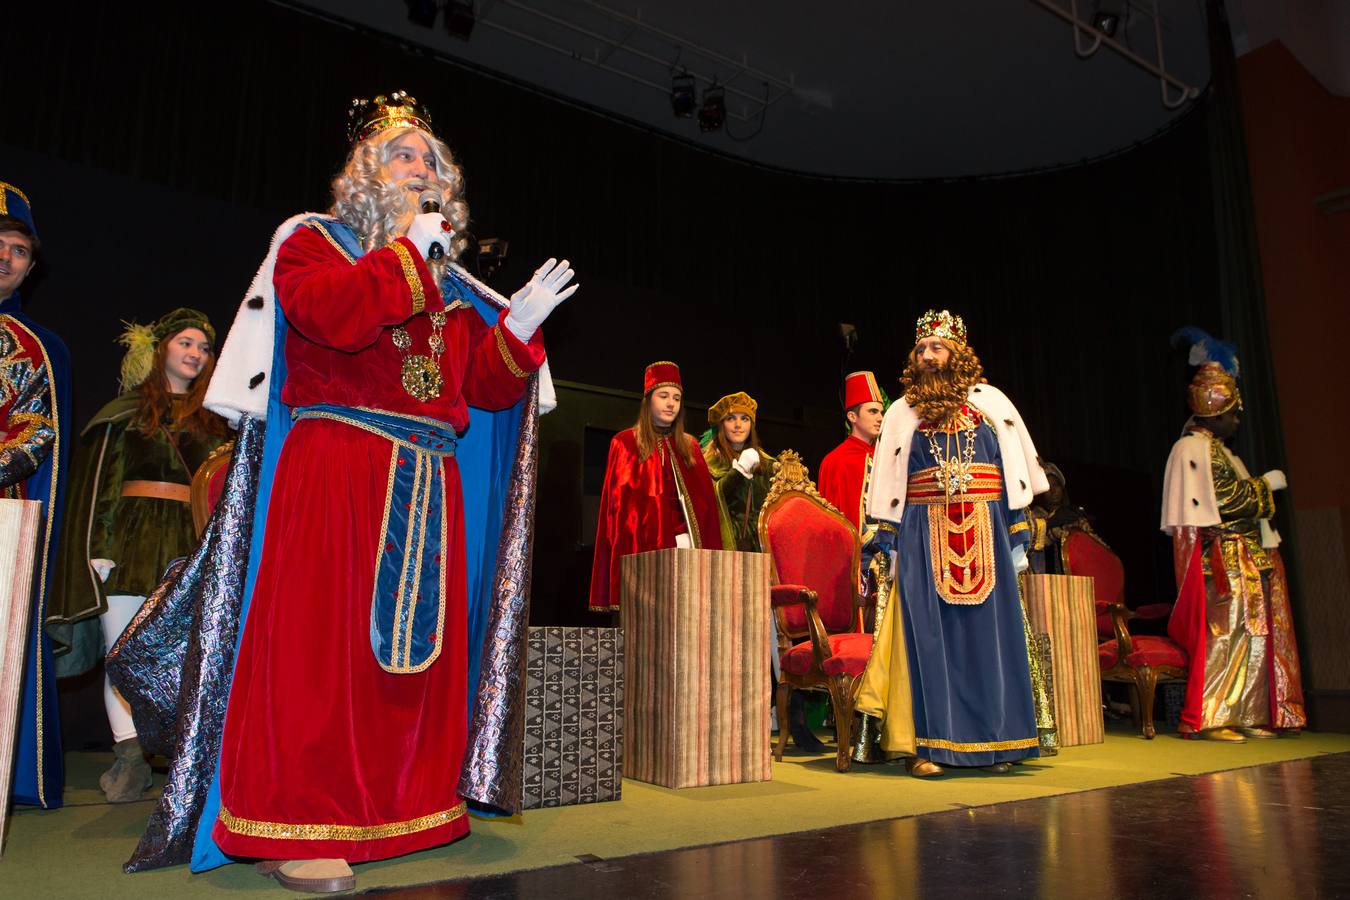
point(379, 210)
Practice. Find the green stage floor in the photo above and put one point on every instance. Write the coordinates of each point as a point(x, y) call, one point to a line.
point(77, 852)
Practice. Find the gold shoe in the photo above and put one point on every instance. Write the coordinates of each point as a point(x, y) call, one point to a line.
point(923, 768)
point(1226, 735)
point(1256, 731)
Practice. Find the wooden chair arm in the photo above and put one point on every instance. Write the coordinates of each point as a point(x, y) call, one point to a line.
point(1120, 617)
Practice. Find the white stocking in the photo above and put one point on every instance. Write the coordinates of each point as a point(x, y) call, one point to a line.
point(122, 608)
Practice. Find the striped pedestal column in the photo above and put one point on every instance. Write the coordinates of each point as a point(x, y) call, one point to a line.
point(20, 521)
point(696, 628)
point(1062, 606)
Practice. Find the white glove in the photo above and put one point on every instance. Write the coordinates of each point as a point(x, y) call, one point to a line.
point(1020, 562)
point(1275, 478)
point(747, 462)
point(426, 230)
point(531, 304)
point(103, 567)
point(683, 542)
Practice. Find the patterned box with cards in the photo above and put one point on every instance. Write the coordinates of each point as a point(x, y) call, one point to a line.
point(574, 683)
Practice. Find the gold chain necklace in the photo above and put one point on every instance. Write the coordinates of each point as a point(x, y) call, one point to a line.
point(954, 468)
point(954, 471)
point(422, 373)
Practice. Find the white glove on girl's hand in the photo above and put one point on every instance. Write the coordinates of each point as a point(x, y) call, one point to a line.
point(1275, 478)
point(747, 462)
point(531, 304)
point(103, 567)
point(1020, 561)
point(428, 229)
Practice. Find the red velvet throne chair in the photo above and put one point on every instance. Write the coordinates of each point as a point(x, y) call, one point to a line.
point(816, 606)
point(1139, 660)
point(208, 482)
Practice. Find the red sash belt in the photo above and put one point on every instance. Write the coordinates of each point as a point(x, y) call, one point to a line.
point(927, 488)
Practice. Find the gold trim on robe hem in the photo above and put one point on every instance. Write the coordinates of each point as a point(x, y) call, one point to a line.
point(958, 747)
point(282, 831)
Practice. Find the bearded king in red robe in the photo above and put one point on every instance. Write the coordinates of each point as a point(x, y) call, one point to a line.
point(346, 722)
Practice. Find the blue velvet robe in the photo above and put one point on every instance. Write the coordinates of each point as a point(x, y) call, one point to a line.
point(970, 677)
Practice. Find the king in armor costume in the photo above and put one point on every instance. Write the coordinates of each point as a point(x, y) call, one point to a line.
point(955, 468)
point(1232, 614)
point(34, 422)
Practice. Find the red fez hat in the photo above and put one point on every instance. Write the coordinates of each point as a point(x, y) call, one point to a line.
point(661, 374)
point(861, 387)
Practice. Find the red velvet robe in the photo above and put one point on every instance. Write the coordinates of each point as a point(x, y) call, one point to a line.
point(324, 754)
point(640, 509)
point(843, 473)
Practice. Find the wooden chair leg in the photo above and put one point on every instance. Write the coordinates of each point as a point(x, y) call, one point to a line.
point(1147, 680)
point(841, 700)
point(781, 709)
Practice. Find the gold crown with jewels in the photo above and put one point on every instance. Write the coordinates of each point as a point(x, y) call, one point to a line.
point(397, 110)
point(940, 324)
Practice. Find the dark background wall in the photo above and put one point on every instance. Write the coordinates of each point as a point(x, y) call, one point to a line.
point(158, 167)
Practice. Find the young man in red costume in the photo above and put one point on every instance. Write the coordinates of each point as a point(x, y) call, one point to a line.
point(657, 492)
point(347, 721)
point(845, 470)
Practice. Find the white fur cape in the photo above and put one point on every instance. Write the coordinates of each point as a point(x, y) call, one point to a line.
point(1022, 472)
point(1188, 488)
point(243, 373)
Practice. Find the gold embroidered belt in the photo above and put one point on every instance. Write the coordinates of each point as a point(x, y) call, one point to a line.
point(927, 488)
point(157, 490)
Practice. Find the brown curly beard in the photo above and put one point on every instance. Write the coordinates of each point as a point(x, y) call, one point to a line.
point(938, 395)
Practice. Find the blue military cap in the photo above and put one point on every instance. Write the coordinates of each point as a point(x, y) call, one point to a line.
point(14, 202)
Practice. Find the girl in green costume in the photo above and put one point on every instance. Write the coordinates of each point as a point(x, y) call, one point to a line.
point(128, 508)
point(740, 468)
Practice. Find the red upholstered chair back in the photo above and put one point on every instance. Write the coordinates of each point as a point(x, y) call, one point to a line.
point(811, 545)
point(1083, 553)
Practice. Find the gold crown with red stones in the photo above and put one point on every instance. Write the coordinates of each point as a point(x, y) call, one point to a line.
point(397, 110)
point(940, 324)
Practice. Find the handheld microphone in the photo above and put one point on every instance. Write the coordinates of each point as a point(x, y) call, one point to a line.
point(432, 205)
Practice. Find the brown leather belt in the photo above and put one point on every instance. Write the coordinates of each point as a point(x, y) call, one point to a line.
point(159, 490)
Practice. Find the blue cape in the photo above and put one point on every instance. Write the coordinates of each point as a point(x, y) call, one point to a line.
point(39, 770)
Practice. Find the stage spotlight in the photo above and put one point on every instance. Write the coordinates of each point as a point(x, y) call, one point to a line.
point(1105, 20)
point(714, 110)
point(459, 18)
point(683, 95)
point(422, 12)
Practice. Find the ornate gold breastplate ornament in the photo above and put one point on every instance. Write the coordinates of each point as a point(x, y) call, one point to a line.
point(421, 372)
point(954, 474)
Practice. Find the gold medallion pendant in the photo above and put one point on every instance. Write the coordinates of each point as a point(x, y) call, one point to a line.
point(422, 377)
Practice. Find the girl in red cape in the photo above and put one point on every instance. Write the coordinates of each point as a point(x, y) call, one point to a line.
point(657, 491)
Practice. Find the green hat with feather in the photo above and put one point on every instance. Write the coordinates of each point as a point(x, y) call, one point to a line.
point(141, 341)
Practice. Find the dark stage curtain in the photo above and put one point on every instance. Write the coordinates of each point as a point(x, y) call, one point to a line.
point(187, 140)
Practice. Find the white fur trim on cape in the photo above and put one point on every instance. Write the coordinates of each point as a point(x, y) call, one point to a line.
point(1189, 500)
point(1023, 476)
point(236, 388)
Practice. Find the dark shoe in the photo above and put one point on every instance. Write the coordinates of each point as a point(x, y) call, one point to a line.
point(802, 736)
point(310, 876)
point(129, 776)
point(999, 768)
